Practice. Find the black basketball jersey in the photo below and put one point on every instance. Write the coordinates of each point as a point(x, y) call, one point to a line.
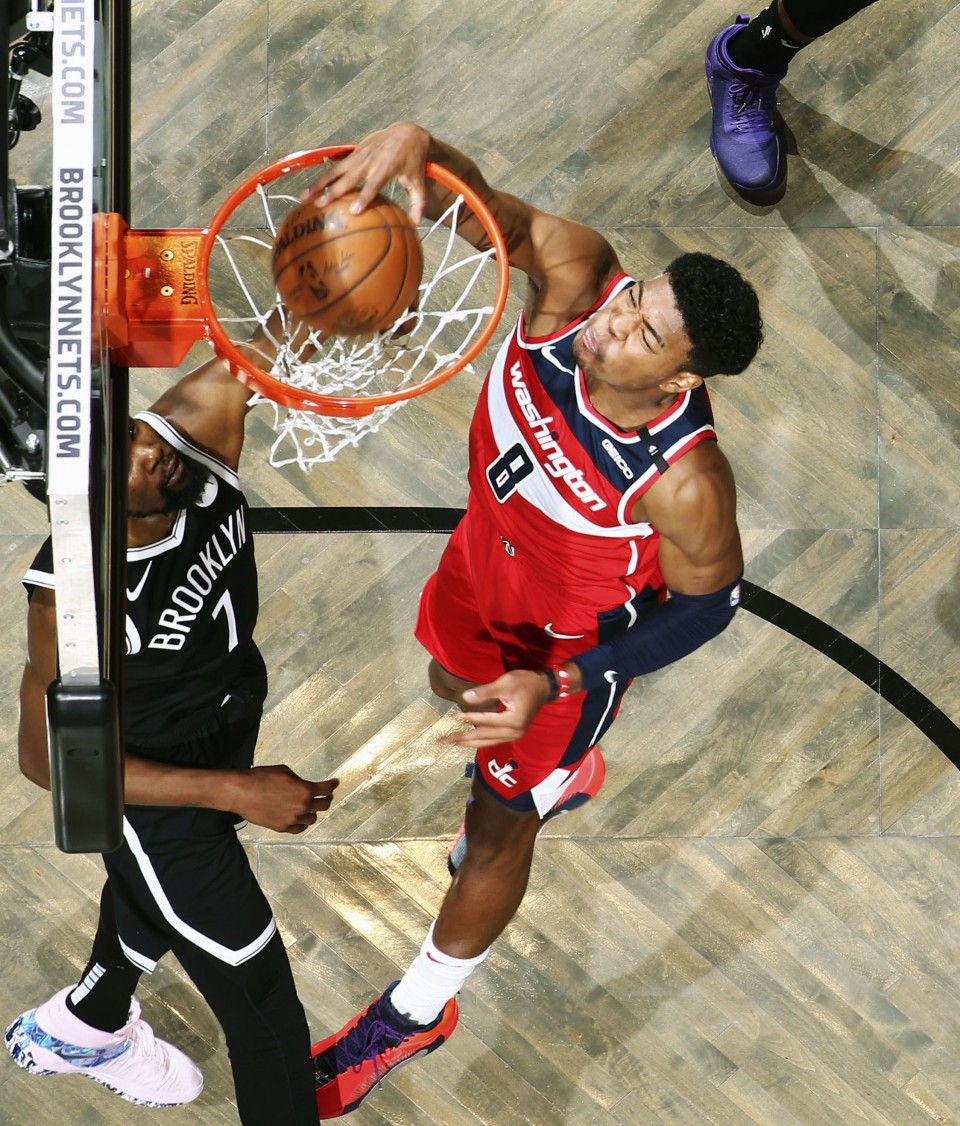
point(192, 606)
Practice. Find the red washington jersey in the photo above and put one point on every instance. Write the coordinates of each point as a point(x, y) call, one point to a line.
point(558, 480)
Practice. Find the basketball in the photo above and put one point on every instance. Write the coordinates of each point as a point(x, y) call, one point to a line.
point(347, 274)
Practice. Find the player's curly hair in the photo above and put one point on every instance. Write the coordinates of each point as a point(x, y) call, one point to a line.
point(720, 312)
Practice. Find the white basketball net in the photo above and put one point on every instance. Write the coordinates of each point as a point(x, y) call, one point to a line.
point(456, 297)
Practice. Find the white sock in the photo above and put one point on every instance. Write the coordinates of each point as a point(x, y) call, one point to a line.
point(432, 979)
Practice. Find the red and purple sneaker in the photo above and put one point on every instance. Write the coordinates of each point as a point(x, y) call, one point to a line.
point(354, 1060)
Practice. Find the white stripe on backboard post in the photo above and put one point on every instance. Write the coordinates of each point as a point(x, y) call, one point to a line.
point(71, 379)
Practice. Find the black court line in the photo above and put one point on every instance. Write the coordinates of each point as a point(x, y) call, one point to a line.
point(382, 519)
point(861, 663)
point(866, 666)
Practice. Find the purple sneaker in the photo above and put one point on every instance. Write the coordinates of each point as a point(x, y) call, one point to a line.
point(745, 140)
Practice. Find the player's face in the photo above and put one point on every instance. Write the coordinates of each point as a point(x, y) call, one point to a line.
point(636, 341)
point(160, 480)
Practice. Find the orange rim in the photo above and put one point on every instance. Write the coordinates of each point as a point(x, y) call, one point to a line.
point(338, 405)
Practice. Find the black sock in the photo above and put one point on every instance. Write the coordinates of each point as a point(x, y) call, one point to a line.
point(102, 998)
point(763, 44)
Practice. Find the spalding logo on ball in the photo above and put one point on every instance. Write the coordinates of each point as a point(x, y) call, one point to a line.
point(347, 274)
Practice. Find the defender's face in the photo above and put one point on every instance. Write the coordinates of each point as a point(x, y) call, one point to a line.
point(636, 341)
point(157, 476)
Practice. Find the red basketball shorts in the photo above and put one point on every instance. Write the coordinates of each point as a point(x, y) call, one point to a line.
point(484, 612)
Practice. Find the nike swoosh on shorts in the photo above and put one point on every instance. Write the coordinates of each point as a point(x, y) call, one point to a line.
point(548, 629)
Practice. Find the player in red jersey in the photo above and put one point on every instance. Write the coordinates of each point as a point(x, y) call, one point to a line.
point(600, 543)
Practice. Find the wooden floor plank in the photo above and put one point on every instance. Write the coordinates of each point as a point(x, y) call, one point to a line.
point(755, 923)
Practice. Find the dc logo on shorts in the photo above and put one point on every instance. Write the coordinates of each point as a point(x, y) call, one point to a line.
point(503, 774)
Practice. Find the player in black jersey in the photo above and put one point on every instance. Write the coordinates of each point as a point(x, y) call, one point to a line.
point(180, 881)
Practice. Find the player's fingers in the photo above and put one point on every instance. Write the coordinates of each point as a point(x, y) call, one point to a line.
point(417, 191)
point(480, 740)
point(327, 786)
point(481, 694)
point(487, 719)
point(322, 187)
point(343, 177)
point(481, 736)
point(364, 199)
point(317, 188)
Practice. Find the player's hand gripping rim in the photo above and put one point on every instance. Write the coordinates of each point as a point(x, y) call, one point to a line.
point(398, 152)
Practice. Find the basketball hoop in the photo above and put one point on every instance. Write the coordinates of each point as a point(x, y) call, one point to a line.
point(160, 291)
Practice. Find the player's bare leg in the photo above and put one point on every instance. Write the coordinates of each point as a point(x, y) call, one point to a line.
point(418, 1013)
point(490, 883)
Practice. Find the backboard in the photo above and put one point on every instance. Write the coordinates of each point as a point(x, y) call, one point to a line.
point(86, 44)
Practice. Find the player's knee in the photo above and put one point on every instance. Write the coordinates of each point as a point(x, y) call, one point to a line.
point(504, 842)
point(492, 854)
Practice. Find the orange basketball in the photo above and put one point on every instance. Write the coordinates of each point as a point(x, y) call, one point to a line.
point(347, 274)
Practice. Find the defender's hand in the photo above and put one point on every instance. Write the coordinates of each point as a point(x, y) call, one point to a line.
point(522, 693)
point(398, 152)
point(277, 798)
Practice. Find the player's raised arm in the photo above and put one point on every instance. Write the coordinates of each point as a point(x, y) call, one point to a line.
point(209, 405)
point(567, 263)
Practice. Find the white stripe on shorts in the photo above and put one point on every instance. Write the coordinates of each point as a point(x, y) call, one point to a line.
point(141, 961)
point(217, 949)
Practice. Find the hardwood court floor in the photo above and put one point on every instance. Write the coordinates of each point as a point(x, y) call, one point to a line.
point(757, 921)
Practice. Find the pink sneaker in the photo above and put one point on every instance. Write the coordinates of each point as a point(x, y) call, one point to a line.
point(132, 1062)
point(584, 785)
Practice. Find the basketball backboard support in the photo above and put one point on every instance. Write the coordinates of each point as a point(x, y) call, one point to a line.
point(24, 270)
point(86, 416)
